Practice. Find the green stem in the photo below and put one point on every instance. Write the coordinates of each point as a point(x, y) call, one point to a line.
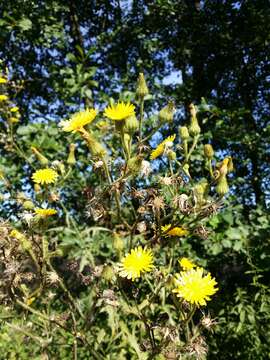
point(195, 141)
point(141, 118)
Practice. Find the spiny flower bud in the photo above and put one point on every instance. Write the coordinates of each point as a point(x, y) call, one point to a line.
point(183, 133)
point(134, 164)
point(131, 125)
point(118, 242)
point(142, 89)
point(171, 155)
point(194, 128)
point(71, 156)
point(94, 146)
point(186, 170)
point(192, 110)
point(37, 188)
point(28, 205)
point(107, 273)
point(222, 186)
point(208, 151)
point(166, 114)
point(41, 158)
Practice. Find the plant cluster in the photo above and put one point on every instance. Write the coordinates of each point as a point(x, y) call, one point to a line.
point(115, 280)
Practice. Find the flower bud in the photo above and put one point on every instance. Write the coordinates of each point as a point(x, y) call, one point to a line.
point(37, 188)
point(107, 273)
point(134, 164)
point(142, 89)
point(183, 133)
point(192, 110)
point(94, 146)
point(118, 242)
point(28, 205)
point(171, 155)
point(166, 114)
point(131, 125)
point(186, 170)
point(208, 151)
point(222, 186)
point(71, 156)
point(41, 158)
point(194, 128)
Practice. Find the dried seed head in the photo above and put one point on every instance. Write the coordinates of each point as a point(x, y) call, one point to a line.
point(182, 203)
point(145, 168)
point(52, 277)
point(208, 323)
point(166, 180)
point(141, 227)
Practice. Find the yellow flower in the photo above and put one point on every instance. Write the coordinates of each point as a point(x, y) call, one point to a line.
point(16, 234)
point(45, 176)
point(120, 111)
point(186, 264)
point(139, 260)
point(45, 212)
point(14, 120)
point(79, 120)
point(168, 230)
point(3, 80)
point(159, 150)
point(3, 97)
point(14, 109)
point(193, 287)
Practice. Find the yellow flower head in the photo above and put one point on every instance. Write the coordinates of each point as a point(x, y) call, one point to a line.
point(159, 150)
point(194, 287)
point(79, 120)
point(168, 230)
point(120, 111)
point(45, 212)
point(45, 176)
point(16, 234)
point(3, 80)
point(139, 260)
point(14, 109)
point(186, 264)
point(3, 97)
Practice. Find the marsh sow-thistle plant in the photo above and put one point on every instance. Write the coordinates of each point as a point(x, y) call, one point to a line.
point(122, 247)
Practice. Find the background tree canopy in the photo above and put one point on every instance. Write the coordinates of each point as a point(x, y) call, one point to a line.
point(62, 55)
point(71, 52)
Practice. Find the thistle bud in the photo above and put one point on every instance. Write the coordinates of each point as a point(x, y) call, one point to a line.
point(41, 158)
point(134, 164)
point(118, 242)
point(222, 186)
point(208, 151)
point(142, 89)
point(166, 114)
point(192, 110)
point(94, 146)
point(230, 165)
point(37, 188)
point(223, 168)
point(131, 125)
point(28, 205)
point(107, 273)
point(186, 170)
point(171, 155)
point(194, 128)
point(183, 133)
point(71, 156)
